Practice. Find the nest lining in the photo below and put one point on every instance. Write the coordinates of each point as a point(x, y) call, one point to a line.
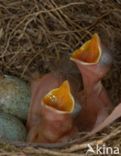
point(36, 35)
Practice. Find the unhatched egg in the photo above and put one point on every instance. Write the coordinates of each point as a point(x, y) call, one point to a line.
point(14, 96)
point(11, 128)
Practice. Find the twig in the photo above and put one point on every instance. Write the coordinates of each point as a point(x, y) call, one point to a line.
point(49, 152)
point(78, 147)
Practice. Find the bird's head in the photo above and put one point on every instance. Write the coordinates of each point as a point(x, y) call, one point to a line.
point(59, 103)
point(60, 99)
point(92, 59)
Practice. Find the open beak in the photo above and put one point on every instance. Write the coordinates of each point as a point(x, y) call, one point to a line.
point(60, 98)
point(92, 60)
point(89, 52)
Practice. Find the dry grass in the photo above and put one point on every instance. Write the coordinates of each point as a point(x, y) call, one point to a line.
point(39, 35)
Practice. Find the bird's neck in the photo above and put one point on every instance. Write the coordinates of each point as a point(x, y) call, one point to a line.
point(91, 84)
point(91, 78)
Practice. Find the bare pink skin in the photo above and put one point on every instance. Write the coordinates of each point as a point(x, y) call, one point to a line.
point(116, 113)
point(54, 127)
point(94, 99)
point(47, 125)
point(39, 87)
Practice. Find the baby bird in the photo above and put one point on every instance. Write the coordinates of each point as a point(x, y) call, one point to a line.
point(93, 62)
point(57, 115)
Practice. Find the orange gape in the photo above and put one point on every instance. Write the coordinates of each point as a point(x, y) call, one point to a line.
point(93, 64)
point(90, 51)
point(56, 117)
point(60, 98)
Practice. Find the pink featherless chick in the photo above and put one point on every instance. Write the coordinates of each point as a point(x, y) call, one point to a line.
point(93, 62)
point(52, 114)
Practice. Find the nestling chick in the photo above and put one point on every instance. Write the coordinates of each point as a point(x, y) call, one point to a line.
point(93, 62)
point(57, 116)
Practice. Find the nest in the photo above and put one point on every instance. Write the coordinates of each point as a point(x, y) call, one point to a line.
point(36, 34)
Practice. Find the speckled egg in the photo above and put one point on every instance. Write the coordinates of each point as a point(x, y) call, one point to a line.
point(14, 96)
point(11, 128)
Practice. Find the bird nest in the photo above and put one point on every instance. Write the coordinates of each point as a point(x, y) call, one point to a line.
point(36, 34)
